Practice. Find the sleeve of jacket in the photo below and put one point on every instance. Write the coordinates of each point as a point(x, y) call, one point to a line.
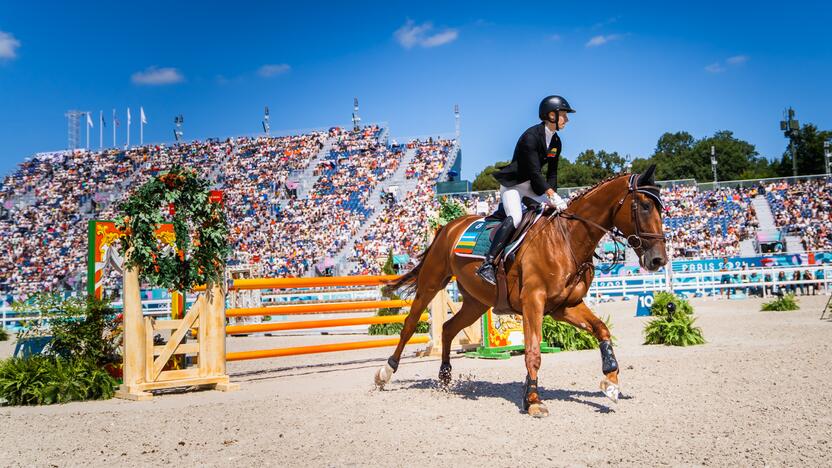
point(529, 164)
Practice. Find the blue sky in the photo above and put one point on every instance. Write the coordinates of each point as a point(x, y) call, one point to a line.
point(633, 71)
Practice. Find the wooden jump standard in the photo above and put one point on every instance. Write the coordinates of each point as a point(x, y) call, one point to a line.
point(143, 362)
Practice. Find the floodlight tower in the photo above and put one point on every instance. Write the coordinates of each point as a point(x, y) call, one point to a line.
point(266, 124)
point(73, 128)
point(356, 120)
point(791, 127)
point(456, 121)
point(713, 165)
point(178, 132)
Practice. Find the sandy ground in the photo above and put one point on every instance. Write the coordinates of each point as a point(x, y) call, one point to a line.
point(755, 394)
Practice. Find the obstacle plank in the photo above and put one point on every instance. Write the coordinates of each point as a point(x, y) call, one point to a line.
point(315, 308)
point(327, 348)
point(291, 283)
point(344, 322)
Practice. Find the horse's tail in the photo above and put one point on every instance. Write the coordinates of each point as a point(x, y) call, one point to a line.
point(406, 284)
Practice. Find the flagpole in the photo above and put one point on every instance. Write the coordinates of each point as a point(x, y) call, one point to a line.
point(141, 126)
point(114, 128)
point(100, 130)
point(87, 124)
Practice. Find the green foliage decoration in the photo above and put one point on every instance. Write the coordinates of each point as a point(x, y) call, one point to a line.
point(663, 298)
point(568, 337)
point(44, 380)
point(197, 254)
point(784, 303)
point(676, 329)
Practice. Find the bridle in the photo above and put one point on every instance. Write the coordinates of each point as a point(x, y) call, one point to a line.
point(639, 235)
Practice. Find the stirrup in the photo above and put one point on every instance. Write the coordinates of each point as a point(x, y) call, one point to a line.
point(488, 273)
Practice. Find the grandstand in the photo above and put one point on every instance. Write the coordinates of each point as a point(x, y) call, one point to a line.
point(338, 200)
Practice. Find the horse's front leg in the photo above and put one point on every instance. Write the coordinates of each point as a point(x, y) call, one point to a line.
point(581, 316)
point(532, 330)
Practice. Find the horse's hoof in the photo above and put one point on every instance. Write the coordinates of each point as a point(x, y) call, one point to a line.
point(445, 375)
point(538, 410)
point(383, 376)
point(611, 390)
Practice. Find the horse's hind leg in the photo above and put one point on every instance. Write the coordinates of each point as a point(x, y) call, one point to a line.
point(470, 311)
point(424, 294)
point(581, 316)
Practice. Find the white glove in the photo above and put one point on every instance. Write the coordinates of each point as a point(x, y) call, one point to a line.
point(556, 202)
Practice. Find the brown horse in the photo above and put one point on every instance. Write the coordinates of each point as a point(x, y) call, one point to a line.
point(550, 274)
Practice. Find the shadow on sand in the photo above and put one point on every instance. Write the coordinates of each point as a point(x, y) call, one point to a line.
point(470, 389)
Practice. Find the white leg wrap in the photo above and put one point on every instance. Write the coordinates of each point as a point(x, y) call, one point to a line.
point(383, 375)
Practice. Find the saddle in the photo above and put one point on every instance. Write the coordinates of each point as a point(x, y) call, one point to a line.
point(532, 214)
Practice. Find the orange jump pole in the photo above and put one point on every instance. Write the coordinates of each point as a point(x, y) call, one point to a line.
point(291, 283)
point(344, 322)
point(327, 348)
point(316, 308)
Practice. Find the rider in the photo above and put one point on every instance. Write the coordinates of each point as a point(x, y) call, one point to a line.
point(523, 178)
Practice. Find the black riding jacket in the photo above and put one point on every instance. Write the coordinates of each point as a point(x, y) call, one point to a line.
point(530, 154)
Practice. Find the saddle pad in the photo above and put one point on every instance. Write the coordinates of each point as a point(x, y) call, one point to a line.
point(476, 239)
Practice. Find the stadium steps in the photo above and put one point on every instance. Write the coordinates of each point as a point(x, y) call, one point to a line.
point(747, 248)
point(405, 186)
point(764, 215)
point(307, 178)
point(794, 244)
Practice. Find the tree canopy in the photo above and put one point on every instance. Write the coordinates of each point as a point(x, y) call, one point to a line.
point(678, 155)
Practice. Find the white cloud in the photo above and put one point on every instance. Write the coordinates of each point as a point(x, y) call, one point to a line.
point(719, 67)
point(715, 68)
point(153, 76)
point(270, 70)
point(737, 60)
point(412, 34)
point(8, 46)
point(553, 37)
point(601, 39)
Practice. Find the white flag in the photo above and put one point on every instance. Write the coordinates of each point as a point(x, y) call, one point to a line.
point(141, 114)
point(89, 120)
point(128, 117)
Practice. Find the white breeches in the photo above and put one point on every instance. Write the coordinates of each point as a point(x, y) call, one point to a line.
point(512, 196)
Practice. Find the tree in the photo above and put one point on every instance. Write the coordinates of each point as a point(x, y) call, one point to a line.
point(809, 149)
point(485, 179)
point(589, 168)
point(733, 156)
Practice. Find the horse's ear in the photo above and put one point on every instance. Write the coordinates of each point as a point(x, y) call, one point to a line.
point(647, 177)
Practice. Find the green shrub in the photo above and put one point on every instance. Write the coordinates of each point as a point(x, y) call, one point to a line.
point(4, 335)
point(661, 299)
point(43, 380)
point(568, 337)
point(678, 330)
point(81, 328)
point(392, 328)
point(784, 303)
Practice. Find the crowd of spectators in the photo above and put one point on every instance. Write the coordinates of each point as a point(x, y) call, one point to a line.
point(708, 223)
point(45, 203)
point(402, 226)
point(804, 209)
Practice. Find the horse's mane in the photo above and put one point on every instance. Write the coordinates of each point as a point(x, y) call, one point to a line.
point(586, 191)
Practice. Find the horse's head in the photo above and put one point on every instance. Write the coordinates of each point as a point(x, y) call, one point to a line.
point(640, 219)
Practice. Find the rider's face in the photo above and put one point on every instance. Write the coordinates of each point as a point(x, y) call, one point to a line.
point(562, 117)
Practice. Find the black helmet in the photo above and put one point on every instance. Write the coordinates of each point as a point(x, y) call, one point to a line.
point(553, 103)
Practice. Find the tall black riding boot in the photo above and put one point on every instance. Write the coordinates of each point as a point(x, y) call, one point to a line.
point(504, 232)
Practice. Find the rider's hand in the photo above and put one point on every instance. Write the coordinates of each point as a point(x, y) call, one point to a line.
point(555, 200)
